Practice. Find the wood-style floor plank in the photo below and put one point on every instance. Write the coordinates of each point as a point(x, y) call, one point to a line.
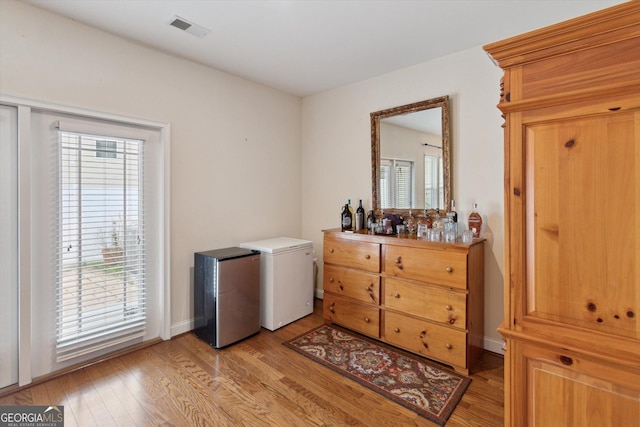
point(74, 399)
point(58, 394)
point(256, 382)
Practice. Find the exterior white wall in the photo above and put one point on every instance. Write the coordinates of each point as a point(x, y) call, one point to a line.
point(336, 159)
point(235, 145)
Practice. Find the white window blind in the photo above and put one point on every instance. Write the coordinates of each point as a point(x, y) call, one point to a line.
point(396, 181)
point(101, 243)
point(403, 173)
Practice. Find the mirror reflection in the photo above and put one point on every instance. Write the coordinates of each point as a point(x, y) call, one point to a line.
point(410, 157)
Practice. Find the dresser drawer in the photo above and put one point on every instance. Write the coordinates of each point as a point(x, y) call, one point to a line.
point(431, 302)
point(438, 342)
point(352, 283)
point(351, 314)
point(439, 267)
point(353, 254)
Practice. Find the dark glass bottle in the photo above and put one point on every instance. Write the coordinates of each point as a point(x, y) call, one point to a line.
point(360, 217)
point(346, 218)
point(371, 220)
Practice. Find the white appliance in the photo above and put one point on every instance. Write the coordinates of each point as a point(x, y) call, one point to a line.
point(286, 280)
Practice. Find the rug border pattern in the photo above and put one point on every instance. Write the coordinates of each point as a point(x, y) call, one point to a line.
point(440, 418)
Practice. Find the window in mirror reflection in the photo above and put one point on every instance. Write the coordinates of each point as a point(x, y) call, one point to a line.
point(434, 185)
point(396, 183)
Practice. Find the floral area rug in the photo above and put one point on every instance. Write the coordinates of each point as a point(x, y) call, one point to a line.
point(409, 380)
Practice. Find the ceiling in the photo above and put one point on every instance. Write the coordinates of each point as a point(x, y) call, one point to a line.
point(304, 47)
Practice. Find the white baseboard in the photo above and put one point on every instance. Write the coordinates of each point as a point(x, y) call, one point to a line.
point(493, 345)
point(319, 293)
point(182, 327)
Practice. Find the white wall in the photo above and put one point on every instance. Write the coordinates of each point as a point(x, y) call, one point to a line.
point(236, 173)
point(336, 159)
point(235, 145)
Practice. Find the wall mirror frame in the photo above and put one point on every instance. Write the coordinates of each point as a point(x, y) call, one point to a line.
point(404, 110)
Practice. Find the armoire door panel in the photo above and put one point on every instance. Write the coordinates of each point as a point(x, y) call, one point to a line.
point(565, 389)
point(583, 238)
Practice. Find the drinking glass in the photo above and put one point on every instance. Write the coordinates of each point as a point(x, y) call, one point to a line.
point(450, 236)
point(422, 231)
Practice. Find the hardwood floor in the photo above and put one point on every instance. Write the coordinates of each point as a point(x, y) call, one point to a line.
point(256, 382)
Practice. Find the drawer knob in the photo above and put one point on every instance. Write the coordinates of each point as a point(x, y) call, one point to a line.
point(331, 250)
point(396, 295)
point(366, 319)
point(331, 280)
point(448, 269)
point(398, 260)
point(448, 307)
point(449, 346)
point(452, 320)
point(341, 288)
point(367, 256)
point(331, 309)
point(396, 329)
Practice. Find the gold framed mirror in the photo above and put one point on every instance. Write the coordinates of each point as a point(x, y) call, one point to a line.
point(411, 157)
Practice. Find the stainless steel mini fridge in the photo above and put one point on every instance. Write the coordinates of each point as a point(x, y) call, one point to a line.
point(226, 295)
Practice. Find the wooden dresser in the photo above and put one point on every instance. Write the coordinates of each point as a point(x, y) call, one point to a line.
point(571, 103)
point(424, 297)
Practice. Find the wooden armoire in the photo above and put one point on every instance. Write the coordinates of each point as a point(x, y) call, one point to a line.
point(570, 97)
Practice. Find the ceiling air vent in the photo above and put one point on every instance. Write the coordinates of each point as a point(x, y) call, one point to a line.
point(191, 28)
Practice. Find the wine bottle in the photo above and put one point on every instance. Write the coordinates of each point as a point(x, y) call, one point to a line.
point(350, 208)
point(360, 217)
point(371, 221)
point(475, 221)
point(346, 218)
